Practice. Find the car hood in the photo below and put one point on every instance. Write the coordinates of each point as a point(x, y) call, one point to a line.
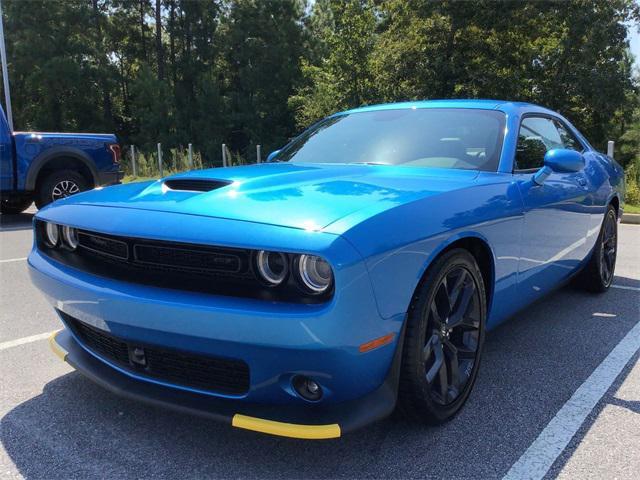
point(310, 196)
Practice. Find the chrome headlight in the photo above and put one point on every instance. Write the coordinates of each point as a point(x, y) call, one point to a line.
point(51, 234)
point(70, 237)
point(273, 267)
point(315, 273)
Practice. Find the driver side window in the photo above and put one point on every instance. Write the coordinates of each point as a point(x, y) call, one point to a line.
point(536, 137)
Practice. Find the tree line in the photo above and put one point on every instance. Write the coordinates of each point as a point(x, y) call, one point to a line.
point(243, 72)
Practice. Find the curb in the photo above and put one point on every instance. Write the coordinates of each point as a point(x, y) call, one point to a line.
point(633, 218)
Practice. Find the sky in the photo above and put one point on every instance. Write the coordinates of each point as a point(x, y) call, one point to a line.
point(634, 38)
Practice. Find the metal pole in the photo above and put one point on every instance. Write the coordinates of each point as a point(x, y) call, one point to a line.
point(133, 161)
point(160, 158)
point(258, 154)
point(610, 146)
point(224, 155)
point(5, 72)
point(190, 156)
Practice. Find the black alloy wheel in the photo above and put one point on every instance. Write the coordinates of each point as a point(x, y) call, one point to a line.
point(453, 334)
point(443, 339)
point(608, 248)
point(597, 275)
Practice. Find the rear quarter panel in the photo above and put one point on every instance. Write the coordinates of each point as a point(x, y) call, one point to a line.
point(33, 149)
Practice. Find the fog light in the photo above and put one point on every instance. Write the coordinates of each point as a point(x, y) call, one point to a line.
point(307, 388)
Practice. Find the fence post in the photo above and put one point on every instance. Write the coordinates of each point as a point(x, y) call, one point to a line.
point(133, 161)
point(258, 154)
point(160, 158)
point(610, 146)
point(224, 155)
point(190, 156)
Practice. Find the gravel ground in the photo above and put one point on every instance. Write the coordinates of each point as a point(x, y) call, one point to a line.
point(56, 424)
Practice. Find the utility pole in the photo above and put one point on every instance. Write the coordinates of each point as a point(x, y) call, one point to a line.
point(5, 73)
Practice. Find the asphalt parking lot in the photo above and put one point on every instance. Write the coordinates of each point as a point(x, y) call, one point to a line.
point(559, 387)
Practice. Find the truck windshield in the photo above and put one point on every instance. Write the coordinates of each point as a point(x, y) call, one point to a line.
point(460, 138)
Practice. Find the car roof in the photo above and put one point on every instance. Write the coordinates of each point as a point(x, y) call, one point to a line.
point(483, 104)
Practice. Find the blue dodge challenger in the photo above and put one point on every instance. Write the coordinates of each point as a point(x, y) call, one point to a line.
point(354, 272)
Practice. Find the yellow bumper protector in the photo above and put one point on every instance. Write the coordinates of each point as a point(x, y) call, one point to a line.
point(57, 349)
point(309, 432)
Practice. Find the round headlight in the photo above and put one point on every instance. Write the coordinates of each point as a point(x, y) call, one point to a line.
point(51, 233)
point(70, 237)
point(272, 266)
point(315, 273)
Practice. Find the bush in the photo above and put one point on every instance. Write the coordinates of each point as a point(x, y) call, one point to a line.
point(632, 174)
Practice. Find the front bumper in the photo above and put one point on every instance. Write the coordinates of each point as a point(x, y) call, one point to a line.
point(296, 421)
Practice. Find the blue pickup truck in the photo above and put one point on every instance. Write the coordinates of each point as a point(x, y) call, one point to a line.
point(43, 167)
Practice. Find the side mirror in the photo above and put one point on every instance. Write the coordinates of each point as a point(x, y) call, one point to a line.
point(562, 160)
point(272, 155)
point(559, 160)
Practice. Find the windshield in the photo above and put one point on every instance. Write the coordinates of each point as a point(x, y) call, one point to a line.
point(423, 137)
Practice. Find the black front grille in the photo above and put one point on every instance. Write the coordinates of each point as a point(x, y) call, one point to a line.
point(103, 245)
point(175, 265)
point(195, 185)
point(214, 374)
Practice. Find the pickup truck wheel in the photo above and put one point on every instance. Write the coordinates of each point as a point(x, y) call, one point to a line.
point(59, 185)
point(14, 205)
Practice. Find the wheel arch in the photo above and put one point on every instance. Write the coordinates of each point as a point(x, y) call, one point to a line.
point(479, 248)
point(58, 158)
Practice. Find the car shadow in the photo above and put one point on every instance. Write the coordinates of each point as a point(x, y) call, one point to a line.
point(21, 221)
point(531, 367)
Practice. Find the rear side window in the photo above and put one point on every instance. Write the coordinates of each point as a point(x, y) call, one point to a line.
point(536, 137)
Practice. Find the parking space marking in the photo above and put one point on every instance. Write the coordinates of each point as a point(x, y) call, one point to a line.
point(625, 287)
point(8, 260)
point(24, 340)
point(536, 461)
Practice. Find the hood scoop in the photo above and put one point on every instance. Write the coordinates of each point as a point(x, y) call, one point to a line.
point(195, 184)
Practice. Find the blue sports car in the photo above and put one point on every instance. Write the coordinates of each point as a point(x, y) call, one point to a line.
point(354, 272)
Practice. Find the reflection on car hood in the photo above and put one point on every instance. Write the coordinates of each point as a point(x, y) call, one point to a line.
point(310, 196)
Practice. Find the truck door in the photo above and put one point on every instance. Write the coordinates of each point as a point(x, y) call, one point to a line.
point(6, 154)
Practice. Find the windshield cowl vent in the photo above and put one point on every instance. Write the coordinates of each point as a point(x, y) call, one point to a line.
point(195, 185)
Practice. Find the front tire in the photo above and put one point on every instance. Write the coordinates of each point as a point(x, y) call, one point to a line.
point(444, 338)
point(60, 184)
point(597, 275)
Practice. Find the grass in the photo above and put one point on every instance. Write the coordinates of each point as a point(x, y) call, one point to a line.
point(131, 178)
point(628, 208)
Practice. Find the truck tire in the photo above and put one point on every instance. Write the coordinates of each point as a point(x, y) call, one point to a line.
point(14, 205)
point(57, 185)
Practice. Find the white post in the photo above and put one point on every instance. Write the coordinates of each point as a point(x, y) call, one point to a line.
point(224, 155)
point(258, 154)
point(160, 159)
point(5, 72)
point(610, 146)
point(133, 161)
point(190, 156)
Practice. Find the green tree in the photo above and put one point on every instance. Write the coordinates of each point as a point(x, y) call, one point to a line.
point(345, 32)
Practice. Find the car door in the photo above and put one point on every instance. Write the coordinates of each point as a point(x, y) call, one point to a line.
point(556, 213)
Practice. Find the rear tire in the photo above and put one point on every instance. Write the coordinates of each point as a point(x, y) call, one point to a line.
point(444, 338)
point(59, 184)
point(14, 205)
point(597, 275)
